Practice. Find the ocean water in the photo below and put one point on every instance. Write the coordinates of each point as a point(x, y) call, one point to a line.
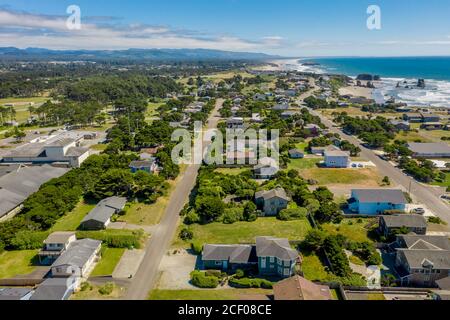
point(435, 71)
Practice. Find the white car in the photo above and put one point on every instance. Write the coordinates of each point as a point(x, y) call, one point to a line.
point(418, 211)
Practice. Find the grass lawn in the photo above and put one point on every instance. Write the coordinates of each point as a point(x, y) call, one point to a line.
point(361, 177)
point(152, 109)
point(245, 232)
point(107, 264)
point(352, 229)
point(99, 147)
point(24, 100)
point(93, 294)
point(225, 294)
point(411, 136)
point(231, 171)
point(375, 296)
point(13, 263)
point(313, 268)
point(302, 164)
point(302, 146)
point(72, 220)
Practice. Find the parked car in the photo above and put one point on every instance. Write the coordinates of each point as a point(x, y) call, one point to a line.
point(418, 211)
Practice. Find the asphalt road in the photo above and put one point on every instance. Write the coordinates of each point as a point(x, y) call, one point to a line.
point(427, 195)
point(145, 278)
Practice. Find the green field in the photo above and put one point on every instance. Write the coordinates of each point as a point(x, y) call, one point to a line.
point(13, 263)
point(225, 294)
point(152, 109)
point(352, 229)
point(246, 232)
point(360, 177)
point(72, 220)
point(303, 164)
point(23, 100)
point(110, 257)
point(231, 171)
point(313, 268)
point(93, 294)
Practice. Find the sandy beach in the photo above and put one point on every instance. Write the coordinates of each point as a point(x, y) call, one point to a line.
point(356, 91)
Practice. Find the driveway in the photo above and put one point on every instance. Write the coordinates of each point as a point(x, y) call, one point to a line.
point(175, 270)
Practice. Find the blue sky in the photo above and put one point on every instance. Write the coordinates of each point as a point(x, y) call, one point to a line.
point(285, 27)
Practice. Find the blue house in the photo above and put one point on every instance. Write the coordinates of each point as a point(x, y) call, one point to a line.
point(377, 201)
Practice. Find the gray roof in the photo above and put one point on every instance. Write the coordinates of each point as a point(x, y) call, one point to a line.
point(53, 289)
point(275, 247)
point(278, 193)
point(444, 283)
point(105, 209)
point(13, 293)
point(59, 237)
point(418, 242)
point(142, 163)
point(78, 253)
point(18, 185)
point(295, 151)
point(417, 259)
point(232, 253)
point(405, 220)
point(394, 196)
point(336, 153)
point(76, 151)
point(429, 148)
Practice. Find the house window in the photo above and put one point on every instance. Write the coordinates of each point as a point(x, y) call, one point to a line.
point(287, 272)
point(263, 262)
point(218, 263)
point(272, 259)
point(287, 263)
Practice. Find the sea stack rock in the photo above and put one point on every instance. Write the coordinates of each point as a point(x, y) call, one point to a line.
point(421, 83)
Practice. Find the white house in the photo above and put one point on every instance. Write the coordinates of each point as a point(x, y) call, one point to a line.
point(336, 159)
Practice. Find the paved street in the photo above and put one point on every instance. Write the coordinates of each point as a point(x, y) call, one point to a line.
point(161, 239)
point(421, 193)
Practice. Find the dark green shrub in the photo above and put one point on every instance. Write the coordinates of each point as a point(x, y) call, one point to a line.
point(239, 274)
point(292, 214)
point(186, 234)
point(28, 240)
point(107, 289)
point(201, 280)
point(196, 247)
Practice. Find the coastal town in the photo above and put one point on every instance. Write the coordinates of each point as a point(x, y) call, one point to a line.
point(93, 207)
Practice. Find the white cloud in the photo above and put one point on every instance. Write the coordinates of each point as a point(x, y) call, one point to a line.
point(28, 30)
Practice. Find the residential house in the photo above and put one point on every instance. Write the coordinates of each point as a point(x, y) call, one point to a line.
point(321, 150)
point(401, 125)
point(272, 257)
point(288, 114)
point(235, 123)
point(259, 97)
point(100, 217)
point(281, 107)
point(412, 117)
point(256, 118)
point(264, 171)
point(430, 117)
point(10, 294)
point(149, 165)
point(276, 257)
point(229, 257)
point(430, 126)
point(429, 150)
point(298, 288)
point(422, 261)
point(296, 154)
point(377, 201)
point(313, 129)
point(412, 222)
point(55, 244)
point(336, 159)
point(77, 260)
point(272, 202)
point(56, 289)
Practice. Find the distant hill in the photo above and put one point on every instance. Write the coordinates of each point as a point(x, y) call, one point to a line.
point(11, 53)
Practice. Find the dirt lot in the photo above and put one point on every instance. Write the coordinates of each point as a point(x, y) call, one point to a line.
point(175, 271)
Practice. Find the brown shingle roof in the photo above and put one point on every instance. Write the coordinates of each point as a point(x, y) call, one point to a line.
point(298, 288)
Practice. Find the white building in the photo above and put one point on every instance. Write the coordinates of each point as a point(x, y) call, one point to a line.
point(336, 159)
